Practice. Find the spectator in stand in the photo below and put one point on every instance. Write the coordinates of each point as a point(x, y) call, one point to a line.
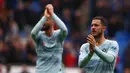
point(69, 55)
point(127, 59)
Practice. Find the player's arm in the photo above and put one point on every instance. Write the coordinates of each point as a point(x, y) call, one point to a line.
point(61, 25)
point(59, 22)
point(111, 55)
point(107, 57)
point(84, 56)
point(38, 26)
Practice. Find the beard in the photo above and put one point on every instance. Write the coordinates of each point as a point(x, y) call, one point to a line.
point(45, 27)
point(98, 35)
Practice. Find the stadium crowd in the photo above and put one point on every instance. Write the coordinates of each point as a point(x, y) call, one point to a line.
point(17, 17)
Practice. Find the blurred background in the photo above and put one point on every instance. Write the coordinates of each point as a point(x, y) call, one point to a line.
point(18, 17)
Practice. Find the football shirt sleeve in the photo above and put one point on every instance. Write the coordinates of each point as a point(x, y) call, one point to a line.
point(84, 56)
point(110, 56)
point(37, 28)
point(61, 25)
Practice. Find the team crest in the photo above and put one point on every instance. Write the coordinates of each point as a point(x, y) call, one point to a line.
point(104, 50)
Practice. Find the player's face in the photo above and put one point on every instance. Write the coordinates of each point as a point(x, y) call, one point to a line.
point(97, 28)
point(47, 25)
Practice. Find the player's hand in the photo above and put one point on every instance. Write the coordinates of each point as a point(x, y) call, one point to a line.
point(92, 42)
point(50, 9)
point(46, 14)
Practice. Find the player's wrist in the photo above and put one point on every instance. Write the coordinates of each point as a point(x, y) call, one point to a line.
point(95, 47)
point(91, 53)
point(47, 16)
point(43, 18)
point(52, 14)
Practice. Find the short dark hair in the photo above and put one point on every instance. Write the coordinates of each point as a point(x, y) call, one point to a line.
point(102, 19)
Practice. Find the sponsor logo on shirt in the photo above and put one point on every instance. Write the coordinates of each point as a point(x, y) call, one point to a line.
point(113, 48)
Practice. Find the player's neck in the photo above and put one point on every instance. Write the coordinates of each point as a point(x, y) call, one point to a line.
point(100, 40)
point(49, 32)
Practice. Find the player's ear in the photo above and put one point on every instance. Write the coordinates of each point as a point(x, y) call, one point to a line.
point(104, 28)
